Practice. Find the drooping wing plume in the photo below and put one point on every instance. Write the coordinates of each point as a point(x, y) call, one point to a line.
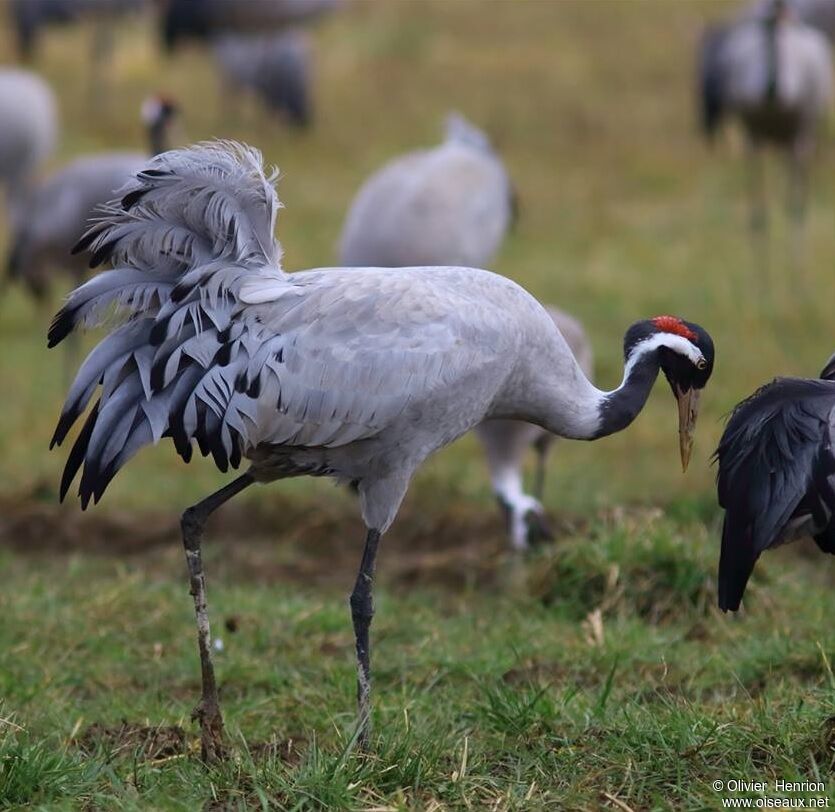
point(188, 231)
point(775, 476)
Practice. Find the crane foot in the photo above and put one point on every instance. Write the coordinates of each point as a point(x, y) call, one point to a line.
point(212, 749)
point(538, 528)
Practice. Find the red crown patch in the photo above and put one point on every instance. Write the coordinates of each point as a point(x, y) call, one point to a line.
point(672, 324)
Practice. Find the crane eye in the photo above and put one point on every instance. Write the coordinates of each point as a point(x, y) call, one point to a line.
point(701, 363)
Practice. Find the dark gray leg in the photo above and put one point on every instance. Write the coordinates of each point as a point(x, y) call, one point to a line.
point(207, 711)
point(362, 610)
point(797, 198)
point(541, 447)
point(759, 215)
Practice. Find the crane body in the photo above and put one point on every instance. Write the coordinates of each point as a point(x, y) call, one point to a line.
point(355, 374)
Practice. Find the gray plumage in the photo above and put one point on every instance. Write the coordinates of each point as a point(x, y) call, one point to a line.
point(776, 479)
point(449, 205)
point(507, 442)
point(275, 67)
point(28, 131)
point(57, 211)
point(774, 73)
point(818, 14)
point(353, 373)
point(259, 371)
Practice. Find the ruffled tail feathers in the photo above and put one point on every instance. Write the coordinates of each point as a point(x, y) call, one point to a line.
point(189, 232)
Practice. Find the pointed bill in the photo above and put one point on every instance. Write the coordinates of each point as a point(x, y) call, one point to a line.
point(688, 411)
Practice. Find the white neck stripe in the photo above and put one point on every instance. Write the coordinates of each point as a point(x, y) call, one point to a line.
point(674, 342)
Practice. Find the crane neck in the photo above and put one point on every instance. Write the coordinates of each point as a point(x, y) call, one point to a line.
point(554, 393)
point(618, 408)
point(158, 135)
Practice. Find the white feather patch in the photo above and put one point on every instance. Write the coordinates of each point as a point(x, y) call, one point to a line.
point(262, 289)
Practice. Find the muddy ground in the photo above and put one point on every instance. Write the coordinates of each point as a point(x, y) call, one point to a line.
point(275, 540)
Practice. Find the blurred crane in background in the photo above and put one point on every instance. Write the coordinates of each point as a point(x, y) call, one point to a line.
point(257, 46)
point(53, 216)
point(453, 205)
point(775, 75)
point(353, 373)
point(507, 442)
point(28, 132)
point(31, 17)
point(275, 67)
point(776, 475)
point(453, 201)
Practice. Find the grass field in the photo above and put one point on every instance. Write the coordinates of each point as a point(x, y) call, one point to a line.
point(592, 674)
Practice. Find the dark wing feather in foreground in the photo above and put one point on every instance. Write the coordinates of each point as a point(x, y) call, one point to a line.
point(776, 477)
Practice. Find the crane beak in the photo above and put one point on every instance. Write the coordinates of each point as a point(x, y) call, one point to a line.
point(688, 411)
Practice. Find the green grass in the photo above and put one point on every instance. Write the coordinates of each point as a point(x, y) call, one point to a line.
point(594, 674)
point(501, 698)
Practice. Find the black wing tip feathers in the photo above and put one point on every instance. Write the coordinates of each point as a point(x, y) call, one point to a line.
point(85, 242)
point(62, 325)
point(132, 198)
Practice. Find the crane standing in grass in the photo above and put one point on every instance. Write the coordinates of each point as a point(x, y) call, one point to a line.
point(353, 373)
point(453, 205)
point(275, 67)
point(53, 216)
point(30, 18)
point(774, 74)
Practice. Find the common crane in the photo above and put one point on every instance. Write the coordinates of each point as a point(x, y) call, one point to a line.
point(774, 74)
point(28, 132)
point(507, 442)
point(449, 205)
point(275, 67)
point(31, 17)
point(55, 214)
point(353, 373)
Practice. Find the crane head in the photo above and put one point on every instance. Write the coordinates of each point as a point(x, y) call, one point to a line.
point(687, 374)
point(685, 354)
point(158, 108)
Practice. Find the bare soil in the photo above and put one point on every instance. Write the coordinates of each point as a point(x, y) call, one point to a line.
point(276, 542)
point(148, 743)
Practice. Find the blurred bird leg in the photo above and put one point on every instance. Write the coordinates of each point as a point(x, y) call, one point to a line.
point(101, 57)
point(541, 447)
point(758, 215)
point(362, 611)
point(207, 711)
point(525, 515)
point(796, 204)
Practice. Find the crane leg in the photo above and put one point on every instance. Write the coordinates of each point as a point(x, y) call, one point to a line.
point(759, 214)
point(362, 611)
point(541, 447)
point(207, 711)
point(798, 191)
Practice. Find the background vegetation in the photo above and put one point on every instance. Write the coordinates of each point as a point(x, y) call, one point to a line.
point(594, 673)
